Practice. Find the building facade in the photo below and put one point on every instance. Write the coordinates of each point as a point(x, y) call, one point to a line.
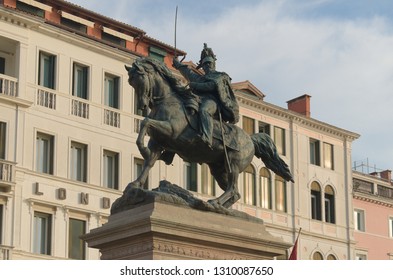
point(68, 127)
point(373, 215)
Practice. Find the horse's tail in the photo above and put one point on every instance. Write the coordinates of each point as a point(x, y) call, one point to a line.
point(267, 152)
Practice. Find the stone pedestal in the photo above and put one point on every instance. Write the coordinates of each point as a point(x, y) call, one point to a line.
point(160, 230)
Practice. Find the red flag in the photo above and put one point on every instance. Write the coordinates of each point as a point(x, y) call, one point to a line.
point(293, 255)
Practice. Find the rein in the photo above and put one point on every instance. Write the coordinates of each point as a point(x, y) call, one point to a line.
point(158, 100)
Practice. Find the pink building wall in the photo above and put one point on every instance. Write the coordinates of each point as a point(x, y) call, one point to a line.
point(375, 240)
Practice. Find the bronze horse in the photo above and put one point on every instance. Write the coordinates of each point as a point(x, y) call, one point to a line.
point(171, 130)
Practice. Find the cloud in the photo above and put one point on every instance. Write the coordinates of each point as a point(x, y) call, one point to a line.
point(288, 48)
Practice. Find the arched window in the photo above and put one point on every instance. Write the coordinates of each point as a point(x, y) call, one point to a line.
point(317, 256)
point(316, 210)
point(331, 257)
point(249, 185)
point(329, 205)
point(280, 194)
point(265, 188)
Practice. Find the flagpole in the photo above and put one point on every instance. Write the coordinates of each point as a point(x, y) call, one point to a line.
point(293, 255)
point(298, 234)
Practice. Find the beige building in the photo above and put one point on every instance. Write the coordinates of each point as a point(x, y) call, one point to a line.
point(68, 127)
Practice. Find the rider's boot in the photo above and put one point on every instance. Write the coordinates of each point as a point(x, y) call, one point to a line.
point(206, 122)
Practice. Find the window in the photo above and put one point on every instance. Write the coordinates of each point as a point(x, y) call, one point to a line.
point(2, 65)
point(47, 72)
point(111, 91)
point(330, 216)
point(314, 152)
point(265, 188)
point(111, 169)
point(78, 163)
point(281, 194)
point(44, 150)
point(113, 39)
point(42, 233)
point(30, 9)
point(190, 176)
point(3, 133)
point(208, 182)
point(76, 246)
point(359, 220)
point(157, 53)
point(138, 167)
point(361, 256)
point(1, 223)
point(73, 25)
point(328, 158)
point(316, 210)
point(331, 257)
point(264, 128)
point(248, 125)
point(279, 140)
point(80, 81)
point(317, 256)
point(391, 227)
point(249, 186)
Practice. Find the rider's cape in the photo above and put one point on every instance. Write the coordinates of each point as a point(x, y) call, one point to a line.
point(228, 104)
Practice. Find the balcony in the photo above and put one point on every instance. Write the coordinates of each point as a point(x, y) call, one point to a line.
point(46, 98)
point(385, 192)
point(80, 109)
point(5, 252)
point(137, 123)
point(111, 118)
point(7, 175)
point(8, 86)
point(363, 186)
point(9, 91)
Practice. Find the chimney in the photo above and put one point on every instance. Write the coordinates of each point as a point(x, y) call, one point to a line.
point(300, 105)
point(386, 175)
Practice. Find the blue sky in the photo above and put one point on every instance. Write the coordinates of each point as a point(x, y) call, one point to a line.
point(339, 52)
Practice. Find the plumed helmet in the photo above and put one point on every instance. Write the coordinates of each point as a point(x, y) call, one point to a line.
point(207, 55)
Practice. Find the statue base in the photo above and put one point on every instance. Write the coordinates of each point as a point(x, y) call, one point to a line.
point(159, 230)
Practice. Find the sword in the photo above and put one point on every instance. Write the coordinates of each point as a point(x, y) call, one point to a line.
point(175, 54)
point(175, 31)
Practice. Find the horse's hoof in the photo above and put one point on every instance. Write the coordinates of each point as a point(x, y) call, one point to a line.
point(214, 202)
point(232, 200)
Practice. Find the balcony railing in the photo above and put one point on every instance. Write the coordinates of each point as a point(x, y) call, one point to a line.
point(385, 191)
point(5, 252)
point(111, 118)
point(8, 86)
point(137, 123)
point(7, 172)
point(80, 109)
point(363, 186)
point(46, 99)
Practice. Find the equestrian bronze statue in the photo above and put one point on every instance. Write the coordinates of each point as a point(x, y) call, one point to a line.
point(197, 122)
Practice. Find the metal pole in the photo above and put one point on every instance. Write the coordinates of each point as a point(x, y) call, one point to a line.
point(175, 32)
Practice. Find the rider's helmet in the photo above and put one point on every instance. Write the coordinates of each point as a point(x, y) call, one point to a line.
point(207, 55)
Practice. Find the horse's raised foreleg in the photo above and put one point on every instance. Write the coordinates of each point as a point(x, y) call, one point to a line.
point(153, 151)
point(162, 127)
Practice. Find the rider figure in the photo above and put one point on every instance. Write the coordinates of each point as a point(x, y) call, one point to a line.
point(215, 91)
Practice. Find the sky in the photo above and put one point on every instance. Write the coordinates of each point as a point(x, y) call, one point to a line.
point(339, 52)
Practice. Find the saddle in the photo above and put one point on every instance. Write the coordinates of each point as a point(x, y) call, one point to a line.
point(228, 130)
point(191, 107)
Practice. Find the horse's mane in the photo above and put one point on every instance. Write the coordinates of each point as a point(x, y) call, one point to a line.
point(150, 65)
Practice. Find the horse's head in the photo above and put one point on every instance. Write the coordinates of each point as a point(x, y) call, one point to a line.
point(139, 77)
point(152, 80)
